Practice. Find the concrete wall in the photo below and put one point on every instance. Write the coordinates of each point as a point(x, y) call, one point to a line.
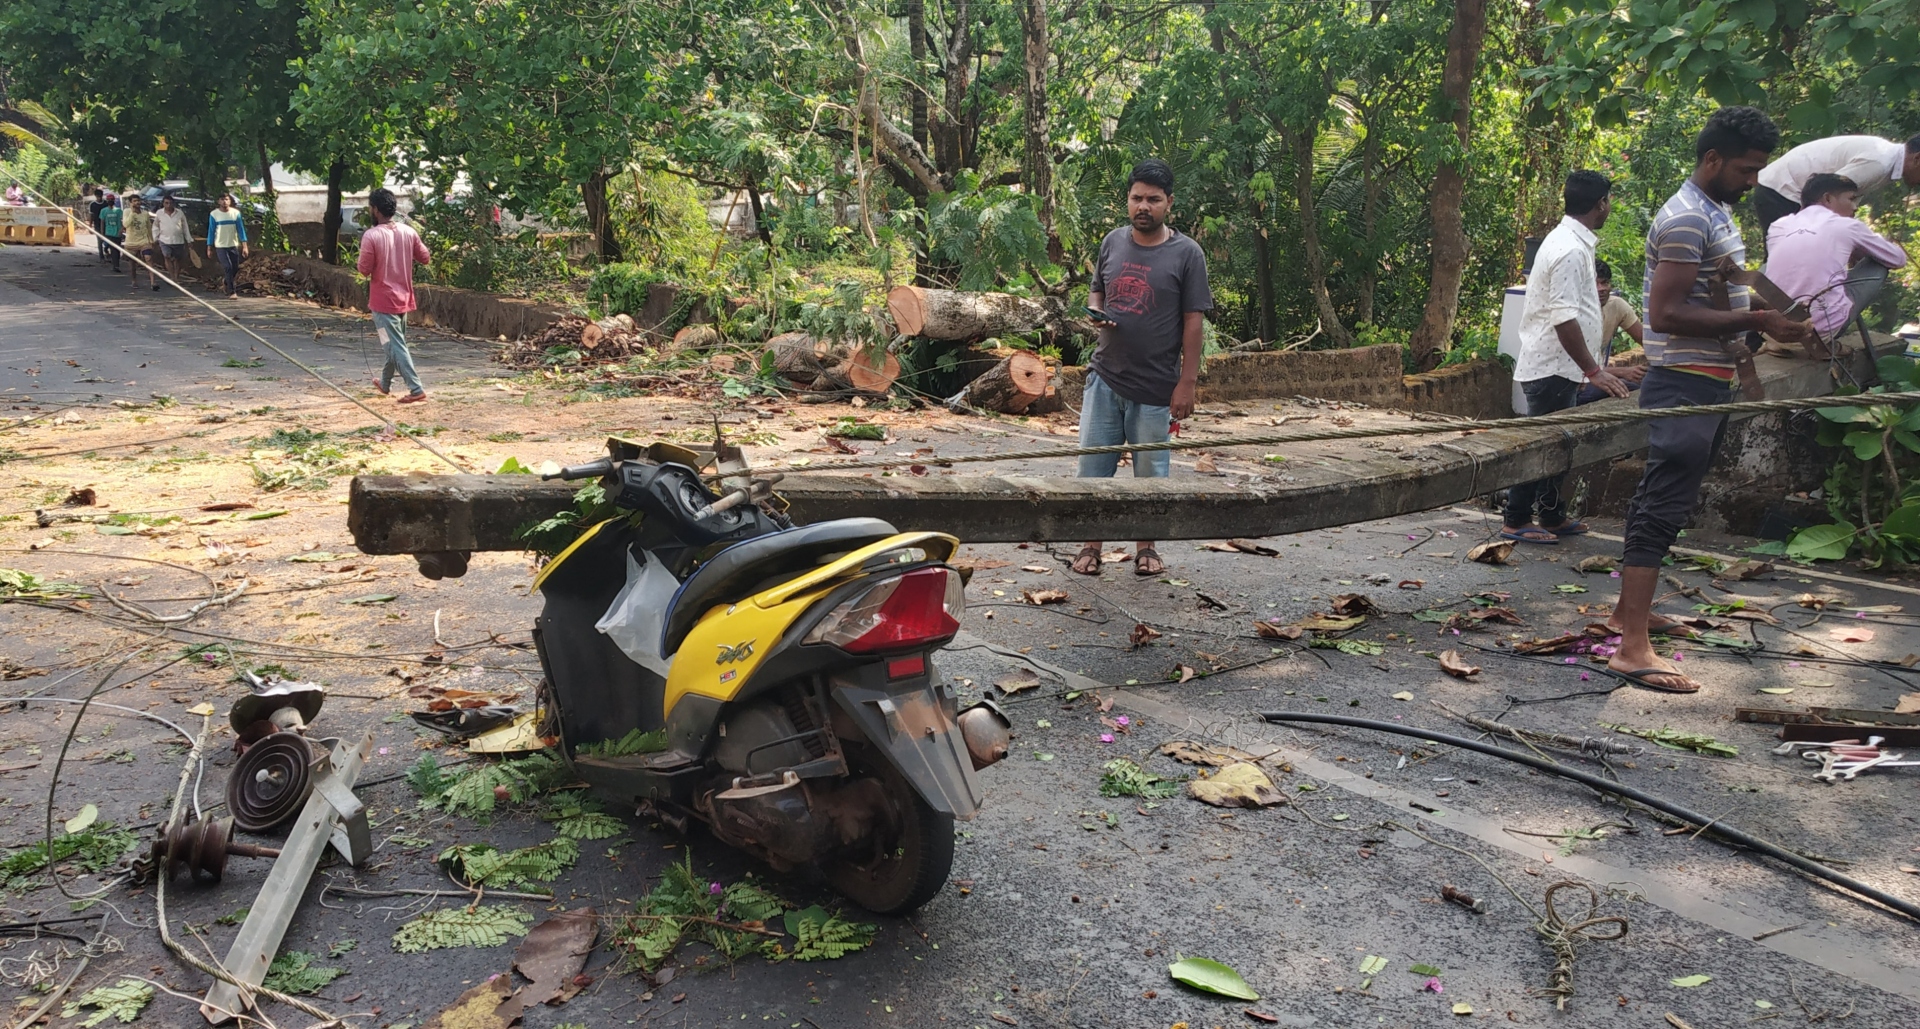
point(1365, 375)
point(1475, 389)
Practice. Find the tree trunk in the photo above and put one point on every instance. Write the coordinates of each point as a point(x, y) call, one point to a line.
point(1039, 155)
point(949, 129)
point(266, 168)
point(594, 193)
point(759, 212)
point(873, 372)
point(330, 222)
point(951, 314)
point(798, 357)
point(1009, 387)
point(1302, 145)
point(917, 80)
point(1369, 220)
point(1449, 188)
point(1269, 308)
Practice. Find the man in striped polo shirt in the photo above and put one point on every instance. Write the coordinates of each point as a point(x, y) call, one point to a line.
point(1696, 321)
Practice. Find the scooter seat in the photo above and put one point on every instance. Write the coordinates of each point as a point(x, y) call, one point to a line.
point(738, 571)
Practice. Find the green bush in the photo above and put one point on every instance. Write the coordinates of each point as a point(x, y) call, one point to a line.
point(620, 288)
point(470, 251)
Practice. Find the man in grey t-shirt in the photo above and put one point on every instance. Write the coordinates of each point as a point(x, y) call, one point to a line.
point(1150, 284)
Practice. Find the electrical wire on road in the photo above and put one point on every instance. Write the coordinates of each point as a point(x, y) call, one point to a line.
point(262, 340)
point(1576, 416)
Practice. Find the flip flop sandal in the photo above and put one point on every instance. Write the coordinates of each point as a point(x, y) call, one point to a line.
point(1093, 552)
point(1572, 528)
point(1641, 677)
point(1530, 535)
point(1144, 553)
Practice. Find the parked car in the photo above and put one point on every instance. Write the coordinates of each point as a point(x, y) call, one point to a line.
point(198, 207)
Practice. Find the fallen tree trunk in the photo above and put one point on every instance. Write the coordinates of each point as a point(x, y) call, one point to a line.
point(1010, 387)
point(824, 365)
point(951, 314)
point(593, 332)
point(799, 357)
point(696, 337)
point(871, 372)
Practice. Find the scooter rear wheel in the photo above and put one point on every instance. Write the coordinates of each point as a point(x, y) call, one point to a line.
point(916, 870)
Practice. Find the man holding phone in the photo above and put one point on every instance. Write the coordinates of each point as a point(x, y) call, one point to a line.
point(1149, 295)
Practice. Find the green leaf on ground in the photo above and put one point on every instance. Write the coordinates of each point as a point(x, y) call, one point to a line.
point(1212, 977)
point(488, 925)
point(1123, 778)
point(124, 1001)
point(1372, 964)
point(88, 815)
point(1821, 542)
point(372, 598)
point(295, 972)
point(1426, 970)
point(1690, 981)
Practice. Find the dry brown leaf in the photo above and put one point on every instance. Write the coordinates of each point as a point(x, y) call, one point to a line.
point(1045, 596)
point(1413, 584)
point(978, 564)
point(1908, 704)
point(1268, 630)
point(1549, 646)
point(1753, 616)
point(1503, 615)
point(1020, 679)
point(551, 956)
point(1851, 634)
point(1037, 569)
point(480, 1008)
point(1319, 622)
point(1453, 664)
point(1494, 553)
point(1105, 703)
point(1242, 784)
point(1818, 603)
point(1184, 672)
point(1143, 634)
point(1250, 547)
point(1206, 465)
point(1114, 557)
point(1596, 563)
point(1746, 568)
point(1219, 547)
point(1346, 605)
point(1193, 753)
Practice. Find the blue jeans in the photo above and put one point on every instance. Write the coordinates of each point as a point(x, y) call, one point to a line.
point(392, 330)
point(1107, 419)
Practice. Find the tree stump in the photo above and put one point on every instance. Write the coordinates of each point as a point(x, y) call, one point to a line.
point(952, 314)
point(593, 332)
point(696, 337)
point(873, 372)
point(798, 357)
point(1010, 387)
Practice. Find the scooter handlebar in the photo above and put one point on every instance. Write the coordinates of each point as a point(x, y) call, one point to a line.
point(590, 470)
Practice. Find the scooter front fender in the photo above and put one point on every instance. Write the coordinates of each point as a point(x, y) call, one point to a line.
point(911, 725)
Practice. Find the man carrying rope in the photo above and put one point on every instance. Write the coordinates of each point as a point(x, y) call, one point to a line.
point(1695, 320)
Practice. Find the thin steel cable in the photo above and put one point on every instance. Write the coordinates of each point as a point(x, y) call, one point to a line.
point(1576, 416)
point(296, 362)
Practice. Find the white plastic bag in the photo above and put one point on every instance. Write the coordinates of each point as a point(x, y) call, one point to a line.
point(637, 616)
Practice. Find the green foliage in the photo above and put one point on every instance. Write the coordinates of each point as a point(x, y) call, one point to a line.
point(482, 864)
point(620, 288)
point(842, 316)
point(818, 936)
point(97, 847)
point(991, 233)
point(1122, 778)
point(1873, 488)
point(475, 791)
point(295, 972)
point(634, 742)
point(124, 1000)
point(550, 536)
point(487, 925)
point(471, 251)
point(428, 780)
point(18, 585)
point(1678, 739)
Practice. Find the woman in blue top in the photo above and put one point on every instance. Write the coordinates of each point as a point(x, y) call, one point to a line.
point(227, 238)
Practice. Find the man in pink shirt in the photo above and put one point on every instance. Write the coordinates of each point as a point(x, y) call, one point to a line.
point(1828, 259)
point(388, 252)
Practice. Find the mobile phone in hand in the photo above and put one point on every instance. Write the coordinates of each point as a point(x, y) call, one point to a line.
point(1097, 315)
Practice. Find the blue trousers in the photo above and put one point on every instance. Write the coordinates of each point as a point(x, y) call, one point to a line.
point(1108, 419)
point(392, 330)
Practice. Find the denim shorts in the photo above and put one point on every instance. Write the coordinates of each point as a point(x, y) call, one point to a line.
point(1109, 419)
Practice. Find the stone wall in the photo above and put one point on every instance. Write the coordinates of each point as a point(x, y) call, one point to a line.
point(457, 310)
point(1475, 389)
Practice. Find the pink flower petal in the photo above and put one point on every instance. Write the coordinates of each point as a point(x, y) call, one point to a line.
point(1433, 986)
point(1584, 677)
point(1106, 737)
point(1572, 660)
point(1123, 720)
point(1613, 575)
point(1678, 656)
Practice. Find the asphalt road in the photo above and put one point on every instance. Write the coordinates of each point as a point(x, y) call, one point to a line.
point(1067, 906)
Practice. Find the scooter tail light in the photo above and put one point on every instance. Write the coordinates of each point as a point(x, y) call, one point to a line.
point(906, 611)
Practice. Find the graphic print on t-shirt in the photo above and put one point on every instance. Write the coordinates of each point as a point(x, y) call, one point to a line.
point(1130, 293)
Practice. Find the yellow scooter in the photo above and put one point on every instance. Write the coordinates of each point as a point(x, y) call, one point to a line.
point(708, 660)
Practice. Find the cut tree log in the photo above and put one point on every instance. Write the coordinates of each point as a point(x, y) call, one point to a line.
point(1009, 387)
point(799, 357)
point(873, 372)
point(696, 337)
point(593, 332)
point(951, 314)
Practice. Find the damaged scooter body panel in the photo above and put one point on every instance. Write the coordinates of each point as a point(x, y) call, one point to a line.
point(914, 725)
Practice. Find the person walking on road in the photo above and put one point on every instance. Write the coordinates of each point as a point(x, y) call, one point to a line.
point(139, 226)
point(227, 238)
point(1871, 162)
point(112, 231)
point(1560, 345)
point(93, 222)
point(1150, 285)
point(170, 234)
point(1696, 324)
point(388, 252)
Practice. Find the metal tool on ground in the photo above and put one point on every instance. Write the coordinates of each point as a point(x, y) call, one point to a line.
point(1836, 724)
point(332, 815)
point(200, 848)
point(1466, 900)
point(1846, 759)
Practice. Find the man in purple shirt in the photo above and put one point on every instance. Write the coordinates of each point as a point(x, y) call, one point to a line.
point(1828, 259)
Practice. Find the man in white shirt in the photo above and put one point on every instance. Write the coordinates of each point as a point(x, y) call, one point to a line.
point(1560, 345)
point(1616, 316)
point(170, 232)
point(1871, 162)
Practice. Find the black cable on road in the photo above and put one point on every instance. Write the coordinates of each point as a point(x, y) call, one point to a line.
point(1774, 851)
